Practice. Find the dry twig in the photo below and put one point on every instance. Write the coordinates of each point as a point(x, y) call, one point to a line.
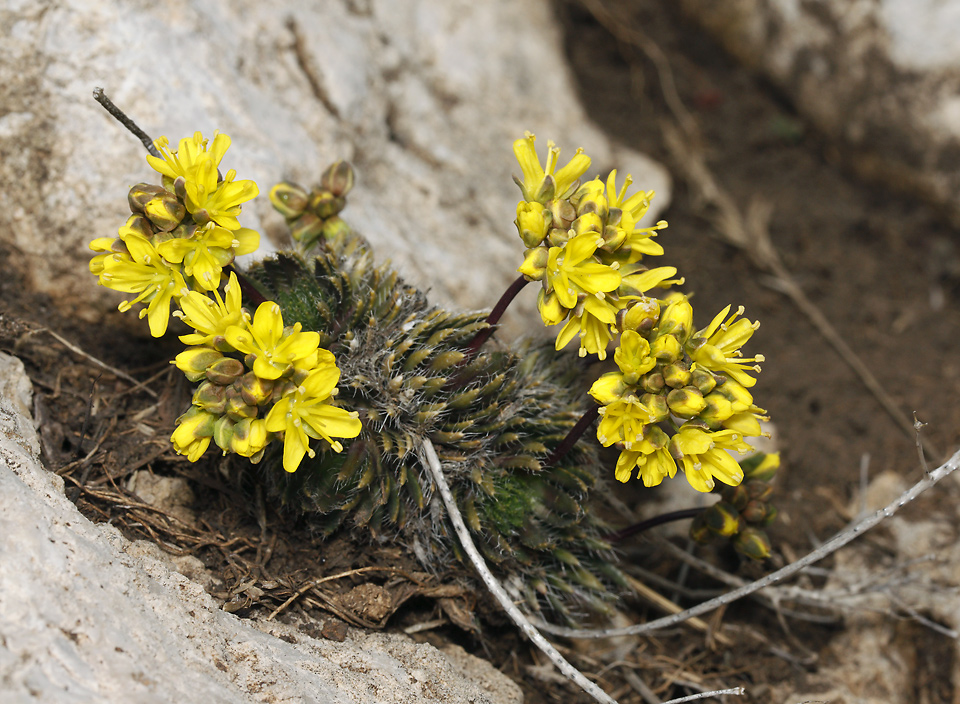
point(436, 470)
point(76, 350)
point(835, 543)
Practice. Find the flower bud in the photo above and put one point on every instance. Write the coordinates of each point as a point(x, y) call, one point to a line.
point(164, 211)
point(135, 225)
point(236, 407)
point(141, 194)
point(225, 371)
point(752, 543)
point(196, 422)
point(288, 199)
point(736, 495)
point(550, 309)
point(723, 519)
point(192, 435)
point(686, 402)
point(676, 375)
point(613, 238)
point(754, 512)
point(534, 266)
point(254, 390)
point(210, 397)
point(193, 361)
point(588, 222)
point(699, 530)
point(666, 348)
point(325, 204)
point(703, 380)
point(653, 382)
point(677, 318)
point(718, 409)
point(306, 228)
point(558, 237)
point(249, 437)
point(657, 406)
point(223, 432)
point(334, 228)
point(761, 466)
point(338, 178)
point(740, 399)
point(533, 223)
point(757, 490)
point(562, 214)
point(641, 315)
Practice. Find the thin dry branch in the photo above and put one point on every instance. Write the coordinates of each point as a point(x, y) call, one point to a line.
point(835, 543)
point(436, 470)
point(86, 355)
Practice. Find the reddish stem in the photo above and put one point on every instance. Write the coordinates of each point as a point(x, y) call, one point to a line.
point(652, 522)
point(575, 433)
point(494, 317)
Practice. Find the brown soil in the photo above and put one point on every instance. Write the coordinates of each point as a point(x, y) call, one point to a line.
point(882, 268)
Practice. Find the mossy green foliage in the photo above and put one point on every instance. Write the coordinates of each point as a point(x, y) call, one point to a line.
point(494, 419)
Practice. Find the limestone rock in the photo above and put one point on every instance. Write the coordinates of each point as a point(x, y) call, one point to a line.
point(88, 616)
point(881, 79)
point(424, 97)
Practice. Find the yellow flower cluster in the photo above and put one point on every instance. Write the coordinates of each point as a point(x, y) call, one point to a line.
point(584, 245)
point(181, 234)
point(260, 381)
point(679, 397)
point(693, 383)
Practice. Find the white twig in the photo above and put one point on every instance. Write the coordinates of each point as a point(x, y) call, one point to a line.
point(739, 691)
point(831, 546)
point(433, 462)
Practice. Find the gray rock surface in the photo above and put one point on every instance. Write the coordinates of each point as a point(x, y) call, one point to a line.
point(881, 78)
point(424, 97)
point(88, 616)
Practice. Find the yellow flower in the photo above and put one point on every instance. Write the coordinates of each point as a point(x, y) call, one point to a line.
point(145, 273)
point(623, 420)
point(540, 184)
point(193, 171)
point(717, 347)
point(307, 413)
point(275, 348)
point(205, 253)
point(633, 357)
point(211, 319)
point(185, 161)
point(207, 199)
point(704, 456)
point(106, 245)
point(636, 279)
point(193, 433)
point(637, 241)
point(572, 270)
point(593, 327)
point(650, 456)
